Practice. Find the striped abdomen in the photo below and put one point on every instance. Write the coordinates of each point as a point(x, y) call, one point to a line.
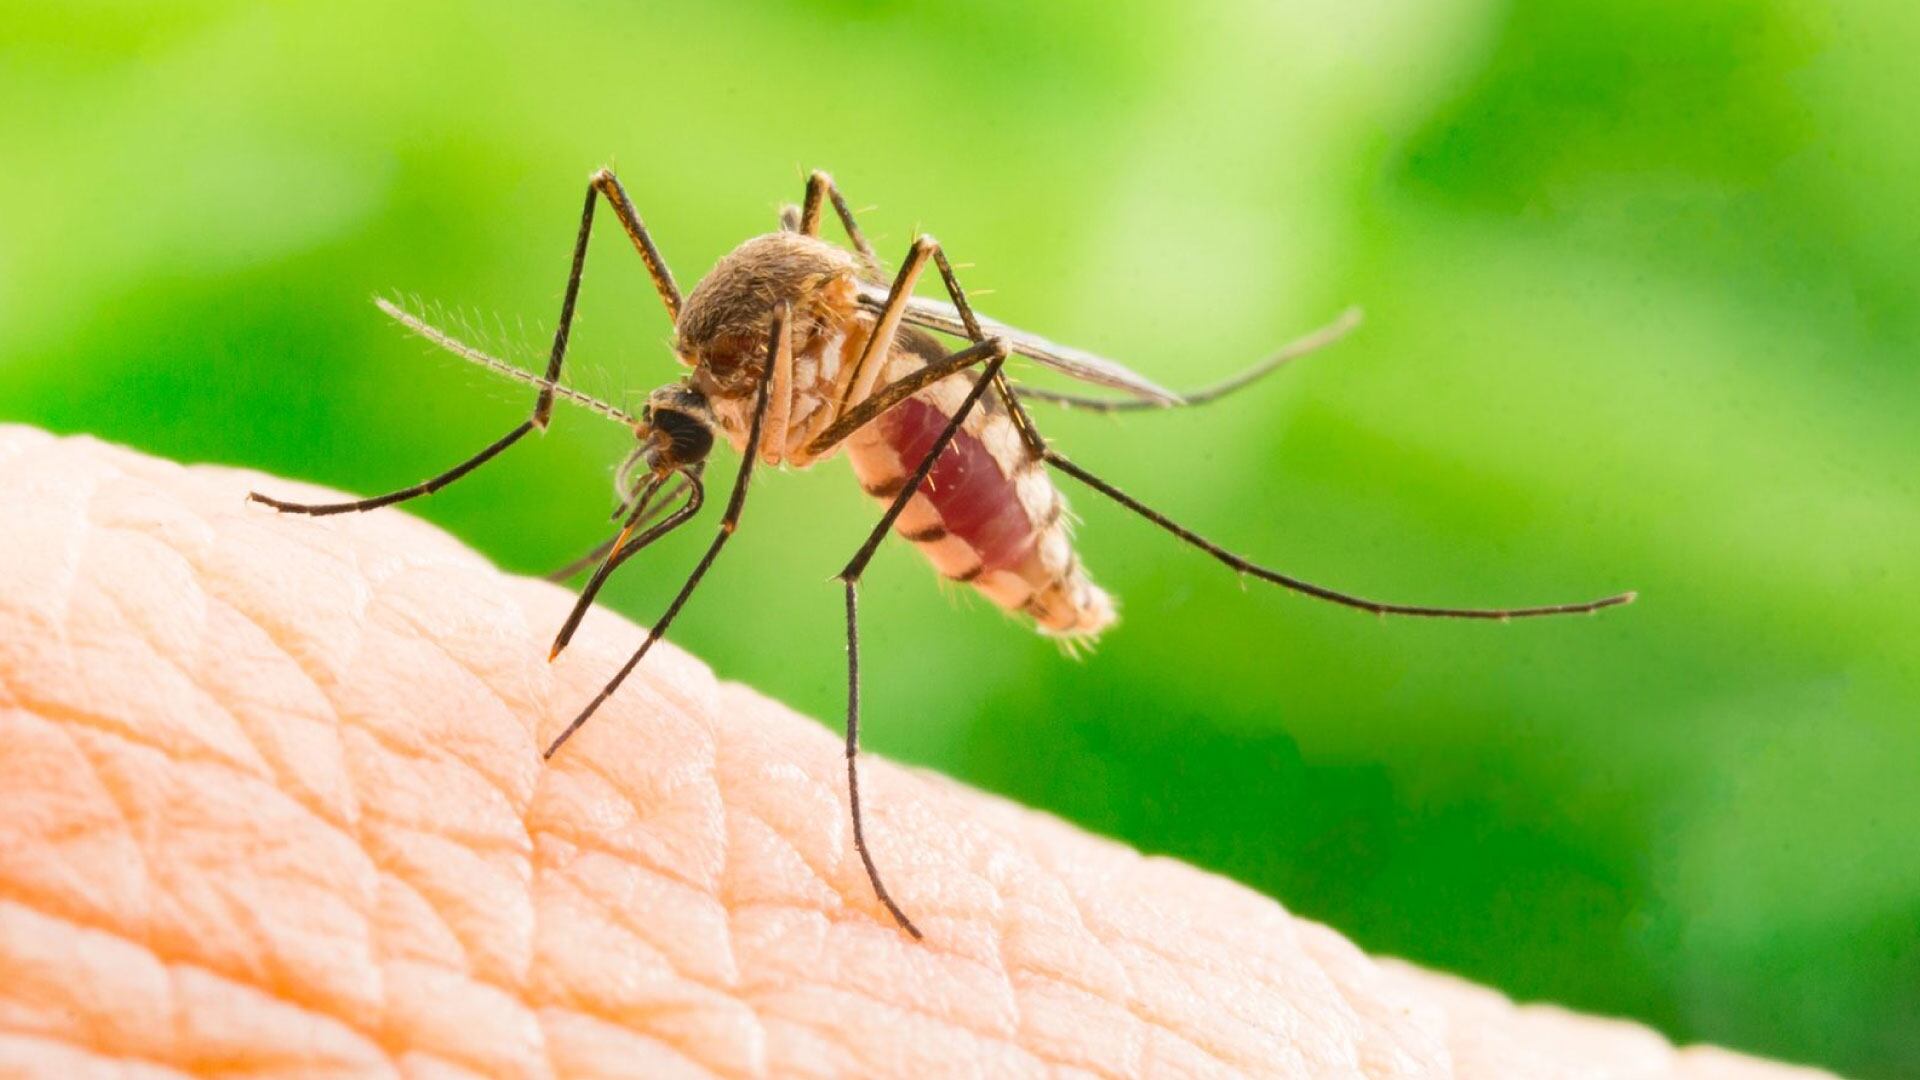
point(988, 514)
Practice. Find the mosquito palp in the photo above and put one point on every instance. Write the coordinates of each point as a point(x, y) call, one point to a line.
point(799, 350)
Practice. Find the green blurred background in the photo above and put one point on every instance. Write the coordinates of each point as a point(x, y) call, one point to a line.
point(1639, 279)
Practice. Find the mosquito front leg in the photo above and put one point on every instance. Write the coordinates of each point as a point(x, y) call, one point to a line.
point(777, 341)
point(850, 579)
point(779, 376)
point(602, 183)
point(861, 403)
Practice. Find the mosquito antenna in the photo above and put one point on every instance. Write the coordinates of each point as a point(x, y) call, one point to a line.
point(499, 367)
point(1321, 592)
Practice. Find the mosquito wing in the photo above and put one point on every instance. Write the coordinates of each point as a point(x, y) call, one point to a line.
point(1085, 366)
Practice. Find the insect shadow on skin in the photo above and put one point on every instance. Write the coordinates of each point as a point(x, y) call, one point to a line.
point(800, 349)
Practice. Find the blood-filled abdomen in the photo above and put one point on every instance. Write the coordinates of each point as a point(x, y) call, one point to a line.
point(987, 513)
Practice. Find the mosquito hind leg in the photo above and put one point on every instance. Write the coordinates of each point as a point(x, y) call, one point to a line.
point(1037, 445)
point(602, 184)
point(1248, 567)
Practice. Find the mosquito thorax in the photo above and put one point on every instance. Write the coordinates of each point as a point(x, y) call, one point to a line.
point(722, 330)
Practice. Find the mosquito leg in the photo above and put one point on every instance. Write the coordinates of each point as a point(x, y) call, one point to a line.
point(1029, 434)
point(620, 549)
point(777, 340)
point(1246, 566)
point(850, 578)
point(1293, 350)
point(1038, 445)
point(861, 403)
point(608, 185)
point(779, 375)
point(820, 188)
point(865, 372)
point(424, 487)
point(901, 389)
point(602, 183)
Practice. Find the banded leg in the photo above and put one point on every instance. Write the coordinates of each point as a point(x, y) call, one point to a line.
point(777, 340)
point(1029, 434)
point(850, 579)
point(1293, 350)
point(601, 184)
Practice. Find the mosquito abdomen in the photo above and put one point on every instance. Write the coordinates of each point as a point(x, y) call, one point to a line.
point(987, 514)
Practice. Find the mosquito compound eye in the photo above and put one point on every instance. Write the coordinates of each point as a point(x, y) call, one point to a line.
point(692, 439)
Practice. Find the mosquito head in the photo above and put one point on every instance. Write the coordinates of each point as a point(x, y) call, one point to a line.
point(675, 429)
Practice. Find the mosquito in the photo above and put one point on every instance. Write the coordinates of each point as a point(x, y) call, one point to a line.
point(800, 349)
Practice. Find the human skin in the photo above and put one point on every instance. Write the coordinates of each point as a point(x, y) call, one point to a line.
point(272, 803)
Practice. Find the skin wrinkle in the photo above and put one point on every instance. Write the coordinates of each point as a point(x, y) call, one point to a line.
point(389, 863)
point(517, 847)
point(582, 837)
point(344, 822)
point(696, 833)
point(1185, 969)
point(1016, 972)
point(635, 922)
point(1130, 1000)
point(569, 1016)
point(46, 1048)
point(705, 1001)
point(1005, 975)
point(384, 867)
point(261, 767)
point(792, 847)
point(172, 969)
point(439, 754)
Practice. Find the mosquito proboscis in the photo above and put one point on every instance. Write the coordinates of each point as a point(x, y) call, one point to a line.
point(799, 350)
